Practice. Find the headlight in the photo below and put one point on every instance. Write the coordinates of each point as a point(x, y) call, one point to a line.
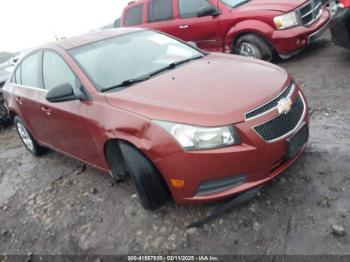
point(197, 138)
point(286, 21)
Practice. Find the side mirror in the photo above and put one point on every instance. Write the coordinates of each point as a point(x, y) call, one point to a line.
point(117, 23)
point(208, 11)
point(62, 93)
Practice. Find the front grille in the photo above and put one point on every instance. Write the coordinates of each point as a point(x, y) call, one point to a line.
point(310, 12)
point(272, 104)
point(282, 124)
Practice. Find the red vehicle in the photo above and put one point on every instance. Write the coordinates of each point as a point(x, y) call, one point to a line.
point(198, 126)
point(253, 28)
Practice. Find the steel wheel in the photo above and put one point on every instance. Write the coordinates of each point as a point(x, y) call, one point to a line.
point(254, 46)
point(247, 50)
point(23, 133)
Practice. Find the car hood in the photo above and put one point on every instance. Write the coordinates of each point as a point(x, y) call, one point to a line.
point(273, 5)
point(217, 89)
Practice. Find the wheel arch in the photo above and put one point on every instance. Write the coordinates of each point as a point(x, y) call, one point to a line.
point(12, 115)
point(112, 146)
point(134, 141)
point(256, 27)
point(115, 159)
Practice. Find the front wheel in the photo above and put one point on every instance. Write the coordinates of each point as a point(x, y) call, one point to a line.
point(253, 46)
point(151, 188)
point(27, 139)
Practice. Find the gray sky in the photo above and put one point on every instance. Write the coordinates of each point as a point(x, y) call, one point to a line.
point(28, 23)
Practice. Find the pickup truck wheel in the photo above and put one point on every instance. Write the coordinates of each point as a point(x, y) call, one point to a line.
point(151, 188)
point(27, 139)
point(253, 46)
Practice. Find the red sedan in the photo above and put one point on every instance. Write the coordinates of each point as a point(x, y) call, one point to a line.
point(183, 123)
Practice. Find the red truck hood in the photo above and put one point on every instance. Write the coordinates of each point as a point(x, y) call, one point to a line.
point(217, 89)
point(274, 5)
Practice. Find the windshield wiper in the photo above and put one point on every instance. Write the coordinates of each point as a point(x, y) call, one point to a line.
point(186, 60)
point(173, 65)
point(127, 82)
point(148, 76)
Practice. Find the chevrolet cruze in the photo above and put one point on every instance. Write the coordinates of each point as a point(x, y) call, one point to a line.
point(181, 122)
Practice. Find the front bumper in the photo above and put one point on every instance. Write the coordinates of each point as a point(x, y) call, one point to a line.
point(255, 159)
point(290, 41)
point(339, 28)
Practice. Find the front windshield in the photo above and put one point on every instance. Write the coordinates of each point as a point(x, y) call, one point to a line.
point(234, 3)
point(113, 61)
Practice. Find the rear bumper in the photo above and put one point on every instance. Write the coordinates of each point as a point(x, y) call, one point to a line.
point(290, 41)
point(340, 32)
point(256, 160)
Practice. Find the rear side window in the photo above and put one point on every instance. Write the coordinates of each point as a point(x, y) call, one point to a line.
point(133, 16)
point(190, 8)
point(160, 10)
point(56, 72)
point(30, 71)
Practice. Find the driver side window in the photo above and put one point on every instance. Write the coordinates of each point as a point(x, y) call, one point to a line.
point(56, 71)
point(190, 8)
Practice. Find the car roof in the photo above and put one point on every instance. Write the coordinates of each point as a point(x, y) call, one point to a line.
point(76, 41)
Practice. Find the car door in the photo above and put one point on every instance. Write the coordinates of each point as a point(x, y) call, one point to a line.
point(29, 96)
point(72, 129)
point(204, 31)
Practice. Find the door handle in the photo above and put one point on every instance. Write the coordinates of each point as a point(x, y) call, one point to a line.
point(46, 110)
point(183, 26)
point(19, 100)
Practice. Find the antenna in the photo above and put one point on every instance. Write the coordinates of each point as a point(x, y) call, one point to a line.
point(54, 34)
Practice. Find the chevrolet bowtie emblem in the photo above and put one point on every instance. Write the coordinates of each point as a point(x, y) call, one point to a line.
point(284, 106)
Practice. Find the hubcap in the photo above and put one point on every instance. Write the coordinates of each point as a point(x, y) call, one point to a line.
point(247, 50)
point(23, 133)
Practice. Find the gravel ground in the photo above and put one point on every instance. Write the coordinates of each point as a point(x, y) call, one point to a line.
point(54, 205)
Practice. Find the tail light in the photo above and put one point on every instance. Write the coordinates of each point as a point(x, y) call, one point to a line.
point(345, 3)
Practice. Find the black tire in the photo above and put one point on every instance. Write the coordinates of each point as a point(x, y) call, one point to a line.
point(151, 187)
point(260, 48)
point(35, 149)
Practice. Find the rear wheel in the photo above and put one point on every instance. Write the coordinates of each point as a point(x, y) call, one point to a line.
point(253, 46)
point(151, 188)
point(27, 139)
